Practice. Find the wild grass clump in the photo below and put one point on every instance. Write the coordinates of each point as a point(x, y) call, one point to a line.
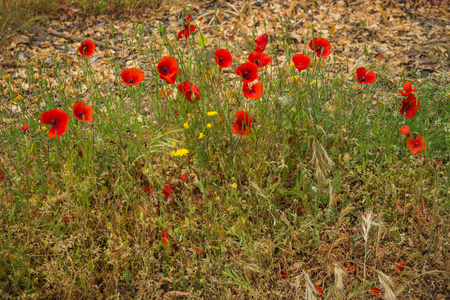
point(160, 176)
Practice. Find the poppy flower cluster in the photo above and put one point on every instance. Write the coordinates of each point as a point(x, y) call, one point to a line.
point(410, 105)
point(188, 28)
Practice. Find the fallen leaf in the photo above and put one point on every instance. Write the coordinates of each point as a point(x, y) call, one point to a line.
point(172, 295)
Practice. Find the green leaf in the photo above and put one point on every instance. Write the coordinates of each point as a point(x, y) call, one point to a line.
point(202, 40)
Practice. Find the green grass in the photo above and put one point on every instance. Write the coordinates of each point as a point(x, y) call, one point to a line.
point(287, 198)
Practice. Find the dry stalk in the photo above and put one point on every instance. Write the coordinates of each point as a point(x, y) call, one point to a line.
point(366, 224)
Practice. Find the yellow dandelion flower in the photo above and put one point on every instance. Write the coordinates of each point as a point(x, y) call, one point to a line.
point(179, 152)
point(209, 125)
point(212, 113)
point(234, 185)
point(14, 102)
point(19, 97)
point(174, 143)
point(201, 135)
point(313, 82)
point(218, 198)
point(44, 128)
point(36, 99)
point(186, 125)
point(201, 280)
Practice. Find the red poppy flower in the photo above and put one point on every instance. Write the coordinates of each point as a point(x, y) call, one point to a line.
point(132, 76)
point(410, 106)
point(365, 77)
point(321, 46)
point(198, 250)
point(416, 143)
point(67, 219)
point(400, 266)
point(188, 28)
point(223, 58)
point(375, 290)
point(172, 78)
point(261, 42)
point(301, 62)
point(254, 92)
point(24, 127)
point(407, 86)
point(167, 190)
point(167, 67)
point(2, 176)
point(58, 119)
point(284, 275)
point(260, 59)
point(165, 237)
point(87, 48)
point(318, 289)
point(148, 189)
point(351, 268)
point(83, 112)
point(248, 71)
point(404, 130)
point(242, 124)
point(187, 89)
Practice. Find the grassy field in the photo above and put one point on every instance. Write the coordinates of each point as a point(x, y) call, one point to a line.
point(320, 194)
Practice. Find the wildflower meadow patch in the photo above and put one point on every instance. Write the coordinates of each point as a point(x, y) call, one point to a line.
point(195, 168)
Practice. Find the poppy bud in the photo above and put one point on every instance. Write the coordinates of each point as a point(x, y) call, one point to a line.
point(24, 127)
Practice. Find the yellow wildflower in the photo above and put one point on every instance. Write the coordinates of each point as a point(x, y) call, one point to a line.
point(189, 116)
point(36, 99)
point(294, 78)
point(234, 185)
point(209, 125)
point(201, 135)
point(292, 64)
point(218, 198)
point(6, 76)
point(212, 113)
point(44, 128)
point(19, 97)
point(174, 143)
point(186, 125)
point(14, 102)
point(179, 152)
point(313, 82)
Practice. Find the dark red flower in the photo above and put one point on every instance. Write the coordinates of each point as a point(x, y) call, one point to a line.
point(254, 92)
point(400, 266)
point(148, 189)
point(58, 119)
point(301, 62)
point(242, 124)
point(261, 42)
point(198, 250)
point(83, 112)
point(67, 219)
point(165, 237)
point(407, 86)
point(87, 48)
point(318, 289)
point(404, 130)
point(187, 89)
point(260, 59)
point(24, 127)
point(188, 28)
point(223, 58)
point(184, 177)
point(375, 290)
point(321, 46)
point(167, 190)
point(365, 77)
point(284, 275)
point(248, 71)
point(416, 143)
point(2, 176)
point(132, 76)
point(410, 106)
